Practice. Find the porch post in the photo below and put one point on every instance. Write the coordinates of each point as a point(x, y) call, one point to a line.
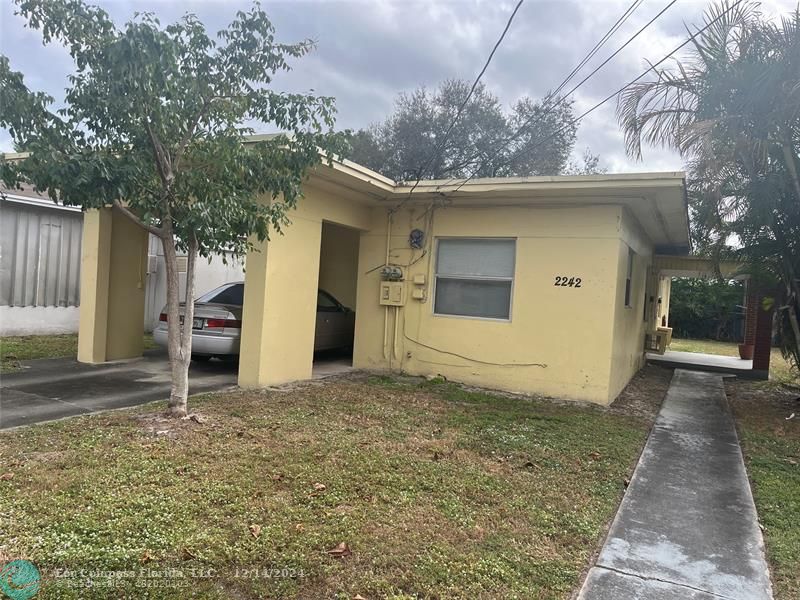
point(762, 337)
point(751, 314)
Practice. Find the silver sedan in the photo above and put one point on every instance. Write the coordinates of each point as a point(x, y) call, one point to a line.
point(217, 324)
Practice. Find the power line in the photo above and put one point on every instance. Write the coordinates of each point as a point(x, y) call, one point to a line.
point(547, 109)
point(441, 144)
point(591, 54)
point(627, 85)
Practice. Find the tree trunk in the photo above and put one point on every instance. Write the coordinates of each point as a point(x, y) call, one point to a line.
point(179, 336)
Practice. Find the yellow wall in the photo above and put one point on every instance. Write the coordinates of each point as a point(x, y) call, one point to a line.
point(576, 343)
point(559, 339)
point(280, 291)
point(629, 324)
point(338, 274)
point(113, 267)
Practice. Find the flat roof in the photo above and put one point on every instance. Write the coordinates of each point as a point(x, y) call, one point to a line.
point(657, 200)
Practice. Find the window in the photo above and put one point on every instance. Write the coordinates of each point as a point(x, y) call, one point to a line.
point(474, 277)
point(231, 294)
point(629, 279)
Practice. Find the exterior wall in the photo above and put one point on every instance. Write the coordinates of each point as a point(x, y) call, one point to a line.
point(630, 322)
point(559, 340)
point(280, 292)
point(40, 249)
point(338, 274)
point(38, 320)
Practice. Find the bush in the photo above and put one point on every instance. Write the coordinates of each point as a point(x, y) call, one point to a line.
point(706, 309)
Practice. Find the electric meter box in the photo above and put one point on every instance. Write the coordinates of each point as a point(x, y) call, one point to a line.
point(393, 293)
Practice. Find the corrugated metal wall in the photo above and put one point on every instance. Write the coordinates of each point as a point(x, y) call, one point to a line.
point(40, 255)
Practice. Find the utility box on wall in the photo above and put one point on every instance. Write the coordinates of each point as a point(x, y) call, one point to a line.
point(393, 293)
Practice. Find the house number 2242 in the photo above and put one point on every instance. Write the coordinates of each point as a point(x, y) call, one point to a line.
point(564, 281)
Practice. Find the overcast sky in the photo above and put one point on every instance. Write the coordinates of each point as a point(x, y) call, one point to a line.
point(370, 50)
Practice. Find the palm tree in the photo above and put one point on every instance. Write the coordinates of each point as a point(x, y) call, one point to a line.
point(731, 107)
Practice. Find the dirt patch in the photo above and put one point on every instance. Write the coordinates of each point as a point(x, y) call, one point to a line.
point(765, 404)
point(644, 394)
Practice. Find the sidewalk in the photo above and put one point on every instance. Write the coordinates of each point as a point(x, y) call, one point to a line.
point(687, 526)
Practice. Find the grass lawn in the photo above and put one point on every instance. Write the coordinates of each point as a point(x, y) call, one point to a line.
point(437, 491)
point(780, 370)
point(771, 446)
point(29, 347)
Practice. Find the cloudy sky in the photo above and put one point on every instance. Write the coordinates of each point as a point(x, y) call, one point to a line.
point(370, 50)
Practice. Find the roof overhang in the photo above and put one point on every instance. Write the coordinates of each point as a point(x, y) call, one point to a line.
point(698, 266)
point(656, 200)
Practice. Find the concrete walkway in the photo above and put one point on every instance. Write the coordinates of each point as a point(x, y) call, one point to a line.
point(687, 526)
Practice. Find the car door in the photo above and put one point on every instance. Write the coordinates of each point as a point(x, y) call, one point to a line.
point(332, 320)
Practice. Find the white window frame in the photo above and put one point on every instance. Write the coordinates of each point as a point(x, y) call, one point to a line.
point(436, 277)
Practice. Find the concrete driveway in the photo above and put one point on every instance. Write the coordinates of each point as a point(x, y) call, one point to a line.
point(50, 389)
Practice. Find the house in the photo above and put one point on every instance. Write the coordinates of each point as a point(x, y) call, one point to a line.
point(40, 260)
point(546, 285)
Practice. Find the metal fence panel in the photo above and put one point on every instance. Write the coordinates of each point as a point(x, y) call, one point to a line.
point(40, 255)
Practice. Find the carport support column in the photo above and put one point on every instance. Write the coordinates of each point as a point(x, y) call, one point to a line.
point(280, 306)
point(113, 277)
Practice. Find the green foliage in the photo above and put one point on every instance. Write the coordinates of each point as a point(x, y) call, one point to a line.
point(156, 116)
point(705, 309)
point(732, 108)
point(482, 140)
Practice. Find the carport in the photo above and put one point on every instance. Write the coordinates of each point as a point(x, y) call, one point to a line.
point(320, 249)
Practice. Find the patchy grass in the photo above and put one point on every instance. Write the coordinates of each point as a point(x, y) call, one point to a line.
point(438, 492)
point(779, 368)
point(14, 349)
point(771, 445)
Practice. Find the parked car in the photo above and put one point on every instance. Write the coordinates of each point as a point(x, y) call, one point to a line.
point(217, 323)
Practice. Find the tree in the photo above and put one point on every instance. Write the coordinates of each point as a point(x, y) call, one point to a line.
point(535, 138)
point(154, 124)
point(705, 309)
point(732, 108)
point(589, 165)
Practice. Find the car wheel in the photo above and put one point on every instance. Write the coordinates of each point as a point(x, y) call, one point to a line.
point(201, 357)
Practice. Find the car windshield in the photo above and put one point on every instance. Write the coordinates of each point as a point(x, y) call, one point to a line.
point(227, 294)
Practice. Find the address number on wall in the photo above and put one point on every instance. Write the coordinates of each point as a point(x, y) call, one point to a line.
point(566, 281)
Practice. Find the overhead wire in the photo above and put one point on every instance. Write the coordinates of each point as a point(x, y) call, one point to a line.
point(589, 55)
point(614, 94)
point(537, 118)
point(440, 146)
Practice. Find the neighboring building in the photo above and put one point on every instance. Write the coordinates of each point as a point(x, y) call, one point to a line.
point(40, 259)
point(543, 285)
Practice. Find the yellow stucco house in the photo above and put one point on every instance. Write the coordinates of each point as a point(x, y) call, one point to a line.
point(543, 285)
